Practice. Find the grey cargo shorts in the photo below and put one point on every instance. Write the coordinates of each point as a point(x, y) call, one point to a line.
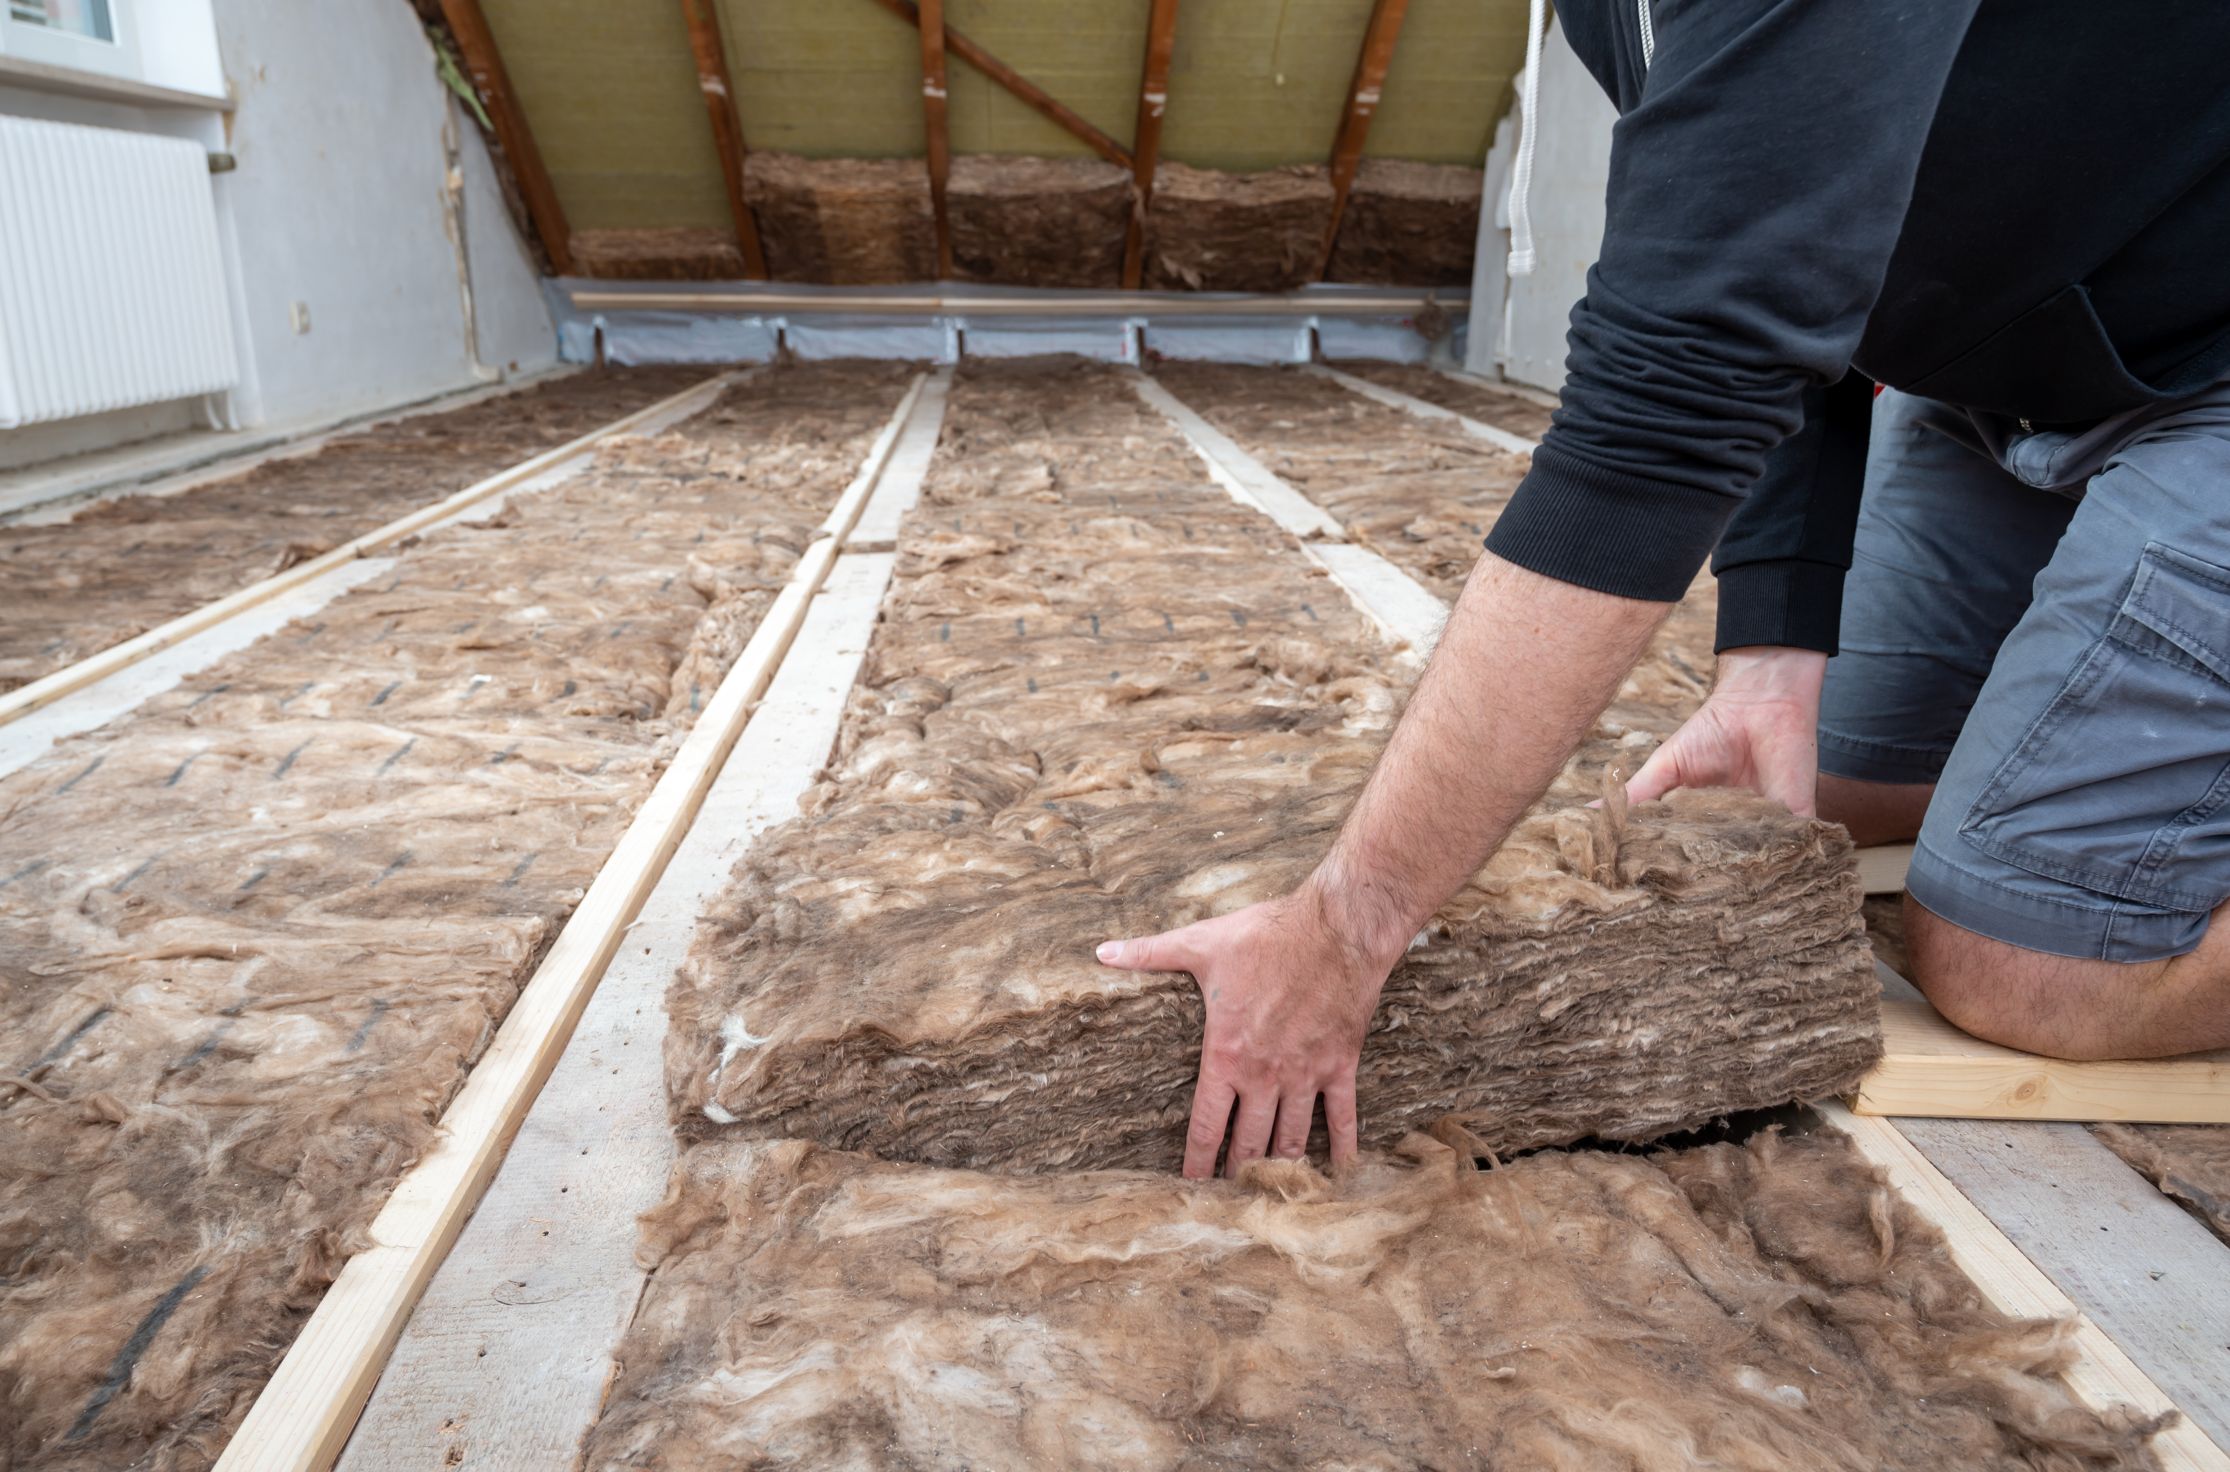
point(2039, 624)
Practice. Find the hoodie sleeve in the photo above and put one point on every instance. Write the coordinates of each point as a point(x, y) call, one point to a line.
point(1758, 181)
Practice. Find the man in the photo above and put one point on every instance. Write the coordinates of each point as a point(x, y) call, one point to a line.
point(2018, 215)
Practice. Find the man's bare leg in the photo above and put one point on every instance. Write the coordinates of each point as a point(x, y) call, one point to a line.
point(1875, 812)
point(2068, 1008)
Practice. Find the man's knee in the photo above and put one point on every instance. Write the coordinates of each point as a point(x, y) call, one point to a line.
point(2032, 1000)
point(1875, 812)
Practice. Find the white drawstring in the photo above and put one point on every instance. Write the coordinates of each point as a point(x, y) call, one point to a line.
point(1521, 174)
point(1529, 117)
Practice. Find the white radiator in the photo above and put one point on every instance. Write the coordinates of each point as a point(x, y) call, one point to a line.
point(112, 288)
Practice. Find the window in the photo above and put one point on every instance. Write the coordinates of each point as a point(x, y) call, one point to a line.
point(87, 18)
point(81, 35)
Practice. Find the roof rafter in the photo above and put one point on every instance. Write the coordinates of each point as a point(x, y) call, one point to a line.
point(1153, 102)
point(476, 43)
point(931, 24)
point(727, 127)
point(1362, 102)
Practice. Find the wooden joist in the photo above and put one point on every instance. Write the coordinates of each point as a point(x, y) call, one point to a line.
point(1021, 88)
point(50, 688)
point(2102, 1376)
point(936, 125)
point(1145, 145)
point(1881, 868)
point(517, 1377)
point(1501, 439)
point(1362, 104)
point(703, 17)
point(476, 43)
point(303, 1417)
point(1931, 1069)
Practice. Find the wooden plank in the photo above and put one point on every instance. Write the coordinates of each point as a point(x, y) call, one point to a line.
point(1025, 91)
point(304, 1413)
point(936, 128)
point(1240, 473)
point(1362, 104)
point(2103, 1376)
point(2154, 1279)
point(483, 59)
point(1501, 439)
point(1931, 1069)
point(1882, 868)
point(1409, 613)
point(574, 453)
point(1145, 143)
point(703, 18)
point(506, 1360)
point(900, 488)
point(1539, 398)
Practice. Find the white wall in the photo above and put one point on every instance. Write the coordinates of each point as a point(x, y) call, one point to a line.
point(344, 139)
point(1518, 332)
point(338, 204)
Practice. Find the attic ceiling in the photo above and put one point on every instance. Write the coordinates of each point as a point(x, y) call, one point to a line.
point(611, 91)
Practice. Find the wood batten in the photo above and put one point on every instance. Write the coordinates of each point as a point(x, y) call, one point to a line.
point(1021, 88)
point(1153, 101)
point(476, 43)
point(1362, 104)
point(727, 128)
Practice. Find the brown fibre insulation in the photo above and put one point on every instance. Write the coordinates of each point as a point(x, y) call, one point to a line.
point(2191, 1162)
point(1408, 224)
point(1752, 1308)
point(842, 221)
point(1422, 494)
point(1487, 405)
point(1106, 699)
point(1038, 221)
point(1212, 231)
point(252, 935)
point(676, 253)
point(118, 568)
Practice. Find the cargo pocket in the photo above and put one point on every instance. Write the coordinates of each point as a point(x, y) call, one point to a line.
point(2122, 786)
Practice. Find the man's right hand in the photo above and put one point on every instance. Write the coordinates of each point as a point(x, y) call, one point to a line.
point(1758, 730)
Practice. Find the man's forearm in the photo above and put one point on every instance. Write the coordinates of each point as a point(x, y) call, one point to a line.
point(1524, 667)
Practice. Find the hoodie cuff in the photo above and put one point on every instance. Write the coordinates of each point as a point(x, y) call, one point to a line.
point(1609, 530)
point(1788, 602)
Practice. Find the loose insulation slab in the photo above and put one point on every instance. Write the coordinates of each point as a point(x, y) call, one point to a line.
point(253, 935)
point(2191, 1162)
point(1760, 1307)
point(118, 568)
point(1105, 700)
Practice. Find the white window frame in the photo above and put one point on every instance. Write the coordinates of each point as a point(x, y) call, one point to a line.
point(22, 40)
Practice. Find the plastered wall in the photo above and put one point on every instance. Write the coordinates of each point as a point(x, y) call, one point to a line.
point(344, 140)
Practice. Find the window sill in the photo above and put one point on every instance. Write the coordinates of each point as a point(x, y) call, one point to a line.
point(42, 77)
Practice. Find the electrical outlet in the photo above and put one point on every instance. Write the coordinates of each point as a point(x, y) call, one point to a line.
point(299, 314)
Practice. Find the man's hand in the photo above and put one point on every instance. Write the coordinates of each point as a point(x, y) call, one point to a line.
point(1759, 730)
point(1289, 989)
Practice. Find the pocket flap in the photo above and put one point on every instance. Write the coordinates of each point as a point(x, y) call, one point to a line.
point(2184, 601)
